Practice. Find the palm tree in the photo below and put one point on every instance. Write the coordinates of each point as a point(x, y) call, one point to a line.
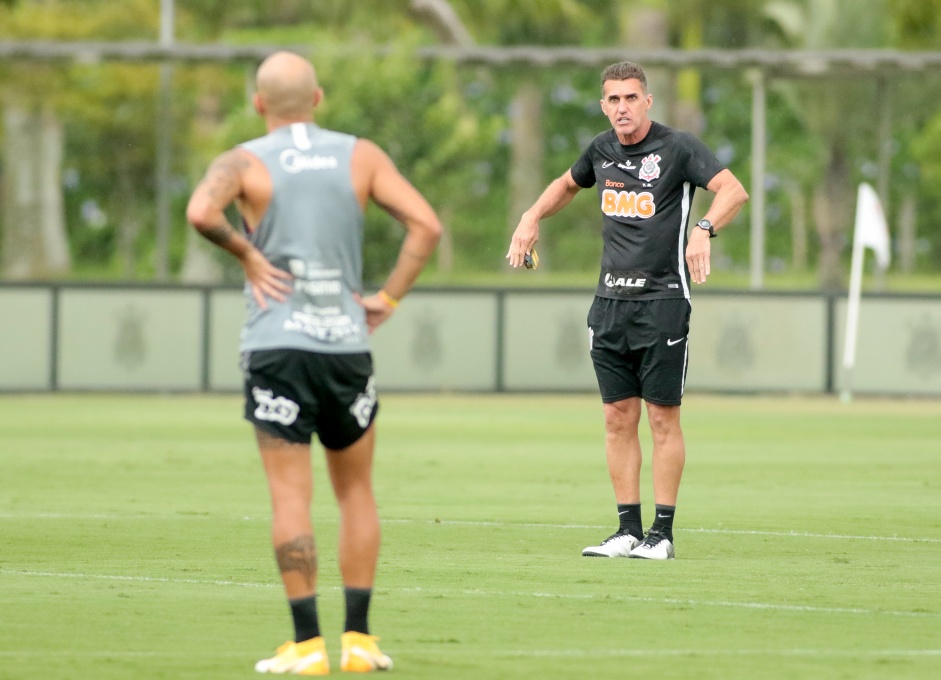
point(34, 237)
point(829, 117)
point(528, 22)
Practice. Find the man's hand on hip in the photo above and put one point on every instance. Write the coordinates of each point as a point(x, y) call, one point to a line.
point(697, 254)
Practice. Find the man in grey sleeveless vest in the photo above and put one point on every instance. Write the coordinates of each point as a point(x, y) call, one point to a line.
point(302, 192)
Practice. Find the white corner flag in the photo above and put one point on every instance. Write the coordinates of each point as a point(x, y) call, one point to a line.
point(869, 231)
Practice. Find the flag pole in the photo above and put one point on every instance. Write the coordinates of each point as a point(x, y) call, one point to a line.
point(869, 231)
point(852, 316)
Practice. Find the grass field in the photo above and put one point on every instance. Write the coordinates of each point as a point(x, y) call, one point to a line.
point(134, 542)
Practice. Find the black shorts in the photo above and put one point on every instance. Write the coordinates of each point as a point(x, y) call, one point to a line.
point(639, 348)
point(292, 393)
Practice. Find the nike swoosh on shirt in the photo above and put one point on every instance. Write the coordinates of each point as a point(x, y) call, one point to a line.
point(670, 343)
point(607, 164)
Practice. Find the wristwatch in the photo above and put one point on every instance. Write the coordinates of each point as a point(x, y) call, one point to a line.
point(707, 225)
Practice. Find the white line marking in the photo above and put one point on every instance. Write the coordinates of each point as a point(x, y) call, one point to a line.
point(475, 523)
point(423, 648)
point(94, 654)
point(139, 579)
point(495, 593)
point(675, 601)
point(737, 532)
point(591, 653)
point(807, 534)
point(81, 516)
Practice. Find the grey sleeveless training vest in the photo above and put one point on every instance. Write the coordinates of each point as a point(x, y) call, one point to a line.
point(312, 229)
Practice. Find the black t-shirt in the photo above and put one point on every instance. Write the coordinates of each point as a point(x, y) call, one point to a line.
point(645, 191)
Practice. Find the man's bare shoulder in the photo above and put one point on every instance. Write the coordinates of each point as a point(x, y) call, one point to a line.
point(368, 149)
point(235, 161)
point(370, 163)
point(226, 175)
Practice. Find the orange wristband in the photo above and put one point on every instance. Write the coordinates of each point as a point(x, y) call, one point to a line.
point(388, 299)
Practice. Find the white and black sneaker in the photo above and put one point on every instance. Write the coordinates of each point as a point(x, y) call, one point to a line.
point(656, 546)
point(615, 545)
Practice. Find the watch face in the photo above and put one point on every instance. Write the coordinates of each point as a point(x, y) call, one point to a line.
point(707, 226)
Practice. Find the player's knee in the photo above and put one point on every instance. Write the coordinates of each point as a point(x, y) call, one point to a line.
point(664, 420)
point(620, 417)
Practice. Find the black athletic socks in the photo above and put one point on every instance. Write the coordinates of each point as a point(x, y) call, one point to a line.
point(629, 520)
point(357, 610)
point(307, 626)
point(663, 521)
point(304, 611)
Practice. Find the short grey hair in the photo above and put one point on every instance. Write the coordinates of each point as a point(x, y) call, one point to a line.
point(624, 70)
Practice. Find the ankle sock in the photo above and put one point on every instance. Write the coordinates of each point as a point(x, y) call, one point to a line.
point(663, 521)
point(304, 612)
point(629, 519)
point(357, 609)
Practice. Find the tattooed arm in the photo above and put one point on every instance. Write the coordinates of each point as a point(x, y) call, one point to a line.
point(222, 185)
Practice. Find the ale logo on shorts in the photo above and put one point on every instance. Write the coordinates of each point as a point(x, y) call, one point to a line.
point(274, 409)
point(365, 403)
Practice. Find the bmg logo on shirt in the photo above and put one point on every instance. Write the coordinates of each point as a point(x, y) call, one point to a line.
point(627, 204)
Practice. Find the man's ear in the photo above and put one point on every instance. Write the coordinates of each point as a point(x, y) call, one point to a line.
point(318, 97)
point(258, 103)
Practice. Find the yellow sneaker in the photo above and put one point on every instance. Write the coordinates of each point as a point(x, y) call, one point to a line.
point(301, 658)
point(361, 654)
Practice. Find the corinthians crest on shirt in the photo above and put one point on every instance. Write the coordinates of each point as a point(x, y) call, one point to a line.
point(649, 167)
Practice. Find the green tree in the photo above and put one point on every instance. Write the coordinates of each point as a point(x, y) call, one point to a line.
point(105, 114)
point(414, 109)
point(833, 125)
point(34, 242)
point(916, 24)
point(529, 22)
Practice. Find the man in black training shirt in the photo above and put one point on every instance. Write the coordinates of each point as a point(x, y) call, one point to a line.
point(646, 174)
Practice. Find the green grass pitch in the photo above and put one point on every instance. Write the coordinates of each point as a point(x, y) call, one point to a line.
point(134, 542)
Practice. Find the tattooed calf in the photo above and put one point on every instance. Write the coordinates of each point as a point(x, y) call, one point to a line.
point(300, 555)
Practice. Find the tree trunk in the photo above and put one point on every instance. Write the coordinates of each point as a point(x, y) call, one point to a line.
point(833, 213)
point(908, 212)
point(35, 243)
point(798, 228)
point(649, 28)
point(200, 260)
point(128, 221)
point(20, 197)
point(445, 252)
point(526, 150)
point(687, 113)
point(440, 16)
point(55, 241)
